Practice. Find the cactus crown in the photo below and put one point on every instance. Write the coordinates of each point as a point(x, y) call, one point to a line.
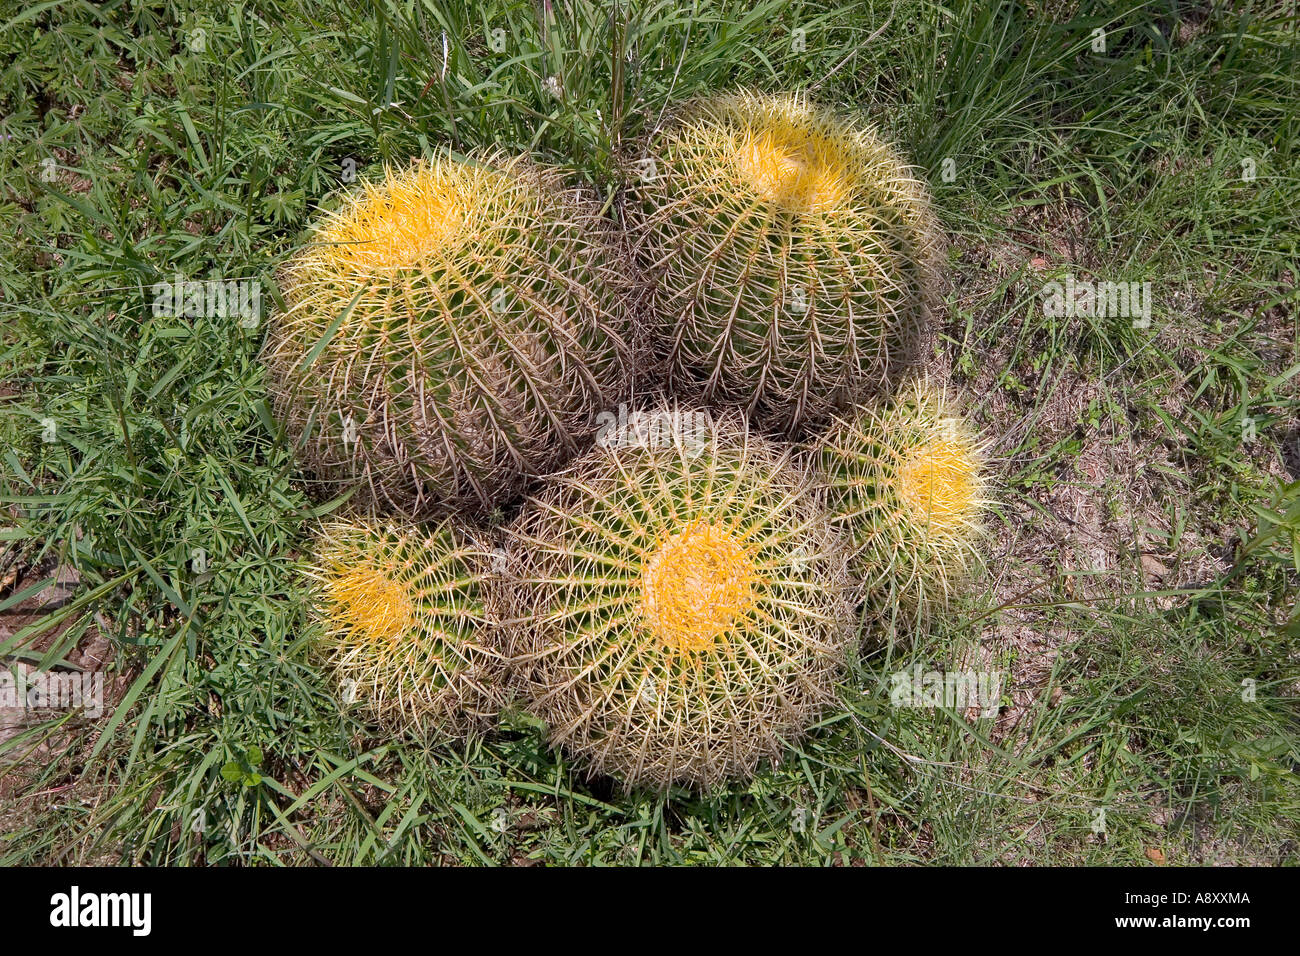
point(396, 227)
point(940, 480)
point(793, 157)
point(678, 613)
point(364, 601)
point(403, 624)
point(696, 584)
point(428, 211)
point(790, 166)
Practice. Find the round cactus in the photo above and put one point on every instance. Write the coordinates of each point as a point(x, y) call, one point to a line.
point(451, 331)
point(677, 607)
point(906, 485)
point(791, 254)
point(403, 624)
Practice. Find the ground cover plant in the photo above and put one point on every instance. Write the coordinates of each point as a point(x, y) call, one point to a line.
point(1142, 556)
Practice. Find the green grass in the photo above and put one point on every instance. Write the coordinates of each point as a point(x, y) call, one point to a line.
point(205, 154)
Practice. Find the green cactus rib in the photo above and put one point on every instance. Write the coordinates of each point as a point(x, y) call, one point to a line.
point(791, 256)
point(907, 485)
point(403, 624)
point(677, 612)
point(484, 323)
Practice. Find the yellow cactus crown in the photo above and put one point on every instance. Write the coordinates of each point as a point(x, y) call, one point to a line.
point(429, 209)
point(791, 155)
point(696, 585)
point(941, 479)
point(365, 601)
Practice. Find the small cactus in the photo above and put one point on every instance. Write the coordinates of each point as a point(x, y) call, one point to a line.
point(403, 624)
point(792, 256)
point(451, 332)
point(907, 485)
point(677, 611)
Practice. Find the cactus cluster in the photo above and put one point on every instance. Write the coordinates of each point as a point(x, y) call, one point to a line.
point(677, 615)
point(677, 603)
point(791, 255)
point(451, 332)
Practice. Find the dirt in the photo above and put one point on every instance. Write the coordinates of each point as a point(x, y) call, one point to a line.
point(21, 768)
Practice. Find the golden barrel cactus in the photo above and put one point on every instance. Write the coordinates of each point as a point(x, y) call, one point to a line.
point(404, 627)
point(791, 254)
point(907, 485)
point(677, 604)
point(451, 331)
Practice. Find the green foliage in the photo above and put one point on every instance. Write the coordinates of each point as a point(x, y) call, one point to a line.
point(244, 770)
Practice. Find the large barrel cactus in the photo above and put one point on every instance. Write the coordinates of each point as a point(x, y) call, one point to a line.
point(677, 604)
point(451, 331)
point(906, 484)
point(404, 626)
point(792, 256)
